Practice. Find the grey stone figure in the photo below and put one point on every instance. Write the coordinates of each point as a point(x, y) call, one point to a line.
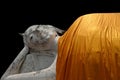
point(37, 60)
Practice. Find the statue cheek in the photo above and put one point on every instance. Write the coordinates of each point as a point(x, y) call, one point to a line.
point(53, 45)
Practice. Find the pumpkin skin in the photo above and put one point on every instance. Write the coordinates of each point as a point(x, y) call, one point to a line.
point(90, 48)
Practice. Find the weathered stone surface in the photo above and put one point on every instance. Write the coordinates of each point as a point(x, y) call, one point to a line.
point(37, 60)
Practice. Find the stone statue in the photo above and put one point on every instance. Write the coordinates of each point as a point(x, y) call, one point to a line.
point(37, 60)
point(88, 50)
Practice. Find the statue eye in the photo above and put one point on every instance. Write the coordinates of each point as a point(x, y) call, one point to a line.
point(31, 37)
point(56, 35)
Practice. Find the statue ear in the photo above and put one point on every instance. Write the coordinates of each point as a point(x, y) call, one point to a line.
point(22, 34)
point(59, 30)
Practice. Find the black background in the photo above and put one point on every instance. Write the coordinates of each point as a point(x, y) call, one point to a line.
point(16, 17)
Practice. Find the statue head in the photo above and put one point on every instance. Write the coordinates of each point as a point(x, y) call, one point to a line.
point(41, 37)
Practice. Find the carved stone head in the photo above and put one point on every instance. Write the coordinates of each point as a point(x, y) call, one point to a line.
point(41, 37)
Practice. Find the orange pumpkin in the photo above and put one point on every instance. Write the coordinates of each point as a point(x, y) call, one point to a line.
point(90, 49)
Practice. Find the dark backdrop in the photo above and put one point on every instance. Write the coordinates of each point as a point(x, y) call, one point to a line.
point(17, 17)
